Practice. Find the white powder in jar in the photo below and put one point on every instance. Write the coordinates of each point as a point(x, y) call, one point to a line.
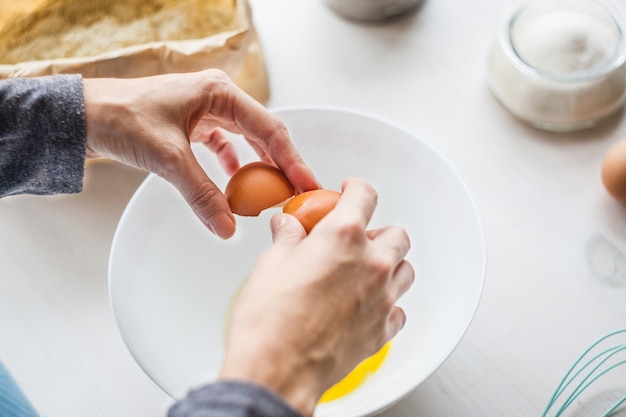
point(560, 65)
point(564, 42)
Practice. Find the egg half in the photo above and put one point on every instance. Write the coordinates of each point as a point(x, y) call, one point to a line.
point(255, 187)
point(311, 206)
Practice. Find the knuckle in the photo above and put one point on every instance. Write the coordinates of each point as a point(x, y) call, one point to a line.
point(219, 74)
point(369, 188)
point(278, 128)
point(401, 240)
point(411, 269)
point(365, 186)
point(407, 276)
point(350, 231)
point(381, 267)
point(204, 197)
point(399, 320)
point(402, 233)
point(276, 134)
point(219, 89)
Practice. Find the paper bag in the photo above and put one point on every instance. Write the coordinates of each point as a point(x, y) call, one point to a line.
point(236, 51)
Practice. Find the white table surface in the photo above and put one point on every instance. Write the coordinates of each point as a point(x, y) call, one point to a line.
point(540, 197)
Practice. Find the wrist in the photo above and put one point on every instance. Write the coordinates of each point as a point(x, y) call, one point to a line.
point(95, 114)
point(106, 103)
point(298, 384)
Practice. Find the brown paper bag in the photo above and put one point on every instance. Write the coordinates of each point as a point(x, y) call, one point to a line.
point(237, 52)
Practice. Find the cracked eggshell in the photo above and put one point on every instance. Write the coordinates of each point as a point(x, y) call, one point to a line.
point(255, 187)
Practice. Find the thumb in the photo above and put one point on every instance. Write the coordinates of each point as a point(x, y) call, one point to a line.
point(286, 229)
point(204, 198)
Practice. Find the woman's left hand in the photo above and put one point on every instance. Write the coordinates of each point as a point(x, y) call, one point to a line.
point(149, 123)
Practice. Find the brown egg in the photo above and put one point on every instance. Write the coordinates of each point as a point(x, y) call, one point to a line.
point(614, 171)
point(311, 206)
point(255, 187)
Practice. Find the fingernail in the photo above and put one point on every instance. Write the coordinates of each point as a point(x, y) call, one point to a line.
point(222, 224)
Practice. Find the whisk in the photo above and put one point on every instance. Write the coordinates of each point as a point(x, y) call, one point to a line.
point(597, 361)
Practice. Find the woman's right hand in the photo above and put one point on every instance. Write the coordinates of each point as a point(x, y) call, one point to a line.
point(315, 306)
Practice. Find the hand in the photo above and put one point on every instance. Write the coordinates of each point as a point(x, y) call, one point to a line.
point(314, 307)
point(149, 122)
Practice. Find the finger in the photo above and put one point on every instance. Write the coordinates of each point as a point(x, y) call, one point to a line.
point(402, 279)
point(218, 143)
point(393, 239)
point(260, 126)
point(395, 322)
point(260, 150)
point(286, 229)
point(357, 202)
point(275, 143)
point(202, 195)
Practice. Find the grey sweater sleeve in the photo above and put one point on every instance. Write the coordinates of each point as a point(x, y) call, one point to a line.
point(232, 399)
point(42, 135)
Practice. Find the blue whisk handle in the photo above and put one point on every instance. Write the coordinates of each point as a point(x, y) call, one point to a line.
point(13, 403)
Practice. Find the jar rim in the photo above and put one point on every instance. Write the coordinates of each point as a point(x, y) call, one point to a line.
point(614, 61)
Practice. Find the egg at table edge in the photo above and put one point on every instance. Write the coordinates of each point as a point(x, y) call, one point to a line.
point(614, 170)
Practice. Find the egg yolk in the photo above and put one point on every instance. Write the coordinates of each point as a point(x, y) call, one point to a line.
point(357, 377)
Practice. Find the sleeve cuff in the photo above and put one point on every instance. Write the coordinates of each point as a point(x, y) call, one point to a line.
point(232, 399)
point(42, 140)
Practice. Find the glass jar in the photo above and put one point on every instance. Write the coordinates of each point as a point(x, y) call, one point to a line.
point(560, 64)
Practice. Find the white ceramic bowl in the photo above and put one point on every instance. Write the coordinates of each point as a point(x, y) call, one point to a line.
point(171, 281)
